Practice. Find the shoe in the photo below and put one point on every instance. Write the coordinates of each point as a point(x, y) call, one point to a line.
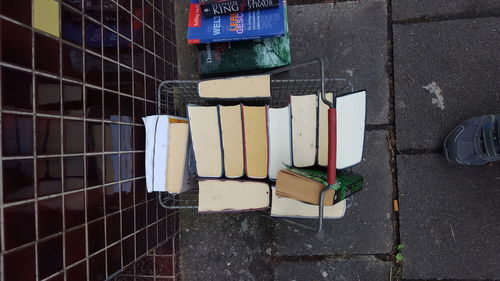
point(475, 141)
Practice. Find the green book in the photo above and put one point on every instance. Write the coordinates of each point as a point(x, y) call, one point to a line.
point(235, 56)
point(347, 184)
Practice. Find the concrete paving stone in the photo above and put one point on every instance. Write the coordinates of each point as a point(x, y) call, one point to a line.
point(351, 37)
point(187, 55)
point(367, 226)
point(415, 9)
point(458, 62)
point(341, 270)
point(449, 219)
point(225, 246)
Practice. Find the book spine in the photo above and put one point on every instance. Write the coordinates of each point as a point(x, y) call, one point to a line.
point(235, 6)
point(228, 39)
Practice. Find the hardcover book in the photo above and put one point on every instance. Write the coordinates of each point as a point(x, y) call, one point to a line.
point(255, 86)
point(219, 8)
point(232, 140)
point(205, 136)
point(351, 112)
point(302, 188)
point(280, 139)
point(286, 207)
point(249, 25)
point(306, 185)
point(232, 195)
point(225, 57)
point(255, 139)
point(166, 153)
point(304, 122)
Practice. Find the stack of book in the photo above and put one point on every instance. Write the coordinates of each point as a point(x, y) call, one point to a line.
point(166, 161)
point(240, 149)
point(239, 35)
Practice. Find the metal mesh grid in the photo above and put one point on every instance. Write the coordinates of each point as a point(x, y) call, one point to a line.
point(175, 95)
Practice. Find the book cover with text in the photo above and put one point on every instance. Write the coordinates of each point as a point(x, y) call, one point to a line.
point(249, 25)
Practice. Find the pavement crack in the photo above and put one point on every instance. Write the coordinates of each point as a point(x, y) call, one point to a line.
point(384, 257)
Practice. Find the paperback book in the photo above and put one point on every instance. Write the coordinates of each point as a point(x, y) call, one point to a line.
point(218, 8)
point(232, 195)
point(249, 25)
point(306, 185)
point(166, 153)
point(286, 207)
point(225, 57)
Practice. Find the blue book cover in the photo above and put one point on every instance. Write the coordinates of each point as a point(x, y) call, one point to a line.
point(249, 25)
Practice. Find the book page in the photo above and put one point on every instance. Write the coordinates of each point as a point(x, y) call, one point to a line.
point(255, 136)
point(255, 86)
point(205, 135)
point(286, 207)
point(232, 195)
point(280, 140)
point(304, 123)
point(232, 140)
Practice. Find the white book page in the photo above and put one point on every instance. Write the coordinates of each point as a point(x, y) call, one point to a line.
point(304, 122)
point(287, 207)
point(161, 154)
point(150, 124)
point(351, 110)
point(280, 145)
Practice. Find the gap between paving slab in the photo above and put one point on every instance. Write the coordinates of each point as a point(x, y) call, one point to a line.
point(210, 242)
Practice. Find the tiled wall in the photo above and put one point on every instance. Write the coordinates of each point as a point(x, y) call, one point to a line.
point(76, 77)
point(161, 264)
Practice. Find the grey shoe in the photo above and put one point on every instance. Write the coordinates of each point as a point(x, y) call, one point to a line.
point(475, 141)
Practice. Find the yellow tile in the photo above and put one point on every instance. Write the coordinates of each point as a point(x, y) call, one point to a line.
point(46, 16)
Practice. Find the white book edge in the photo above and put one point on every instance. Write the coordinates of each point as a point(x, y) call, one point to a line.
point(222, 86)
point(276, 160)
point(295, 205)
point(213, 195)
point(222, 143)
point(194, 145)
point(157, 131)
point(304, 122)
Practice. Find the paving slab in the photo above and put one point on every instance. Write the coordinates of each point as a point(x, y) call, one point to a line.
point(367, 226)
point(187, 55)
point(351, 37)
point(345, 270)
point(417, 9)
point(449, 219)
point(445, 72)
point(224, 246)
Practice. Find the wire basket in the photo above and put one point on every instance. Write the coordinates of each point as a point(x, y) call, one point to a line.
point(175, 95)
